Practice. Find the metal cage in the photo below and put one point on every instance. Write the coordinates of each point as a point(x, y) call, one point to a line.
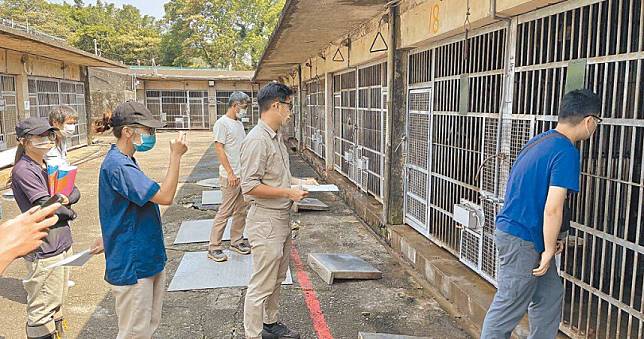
point(479, 100)
point(47, 93)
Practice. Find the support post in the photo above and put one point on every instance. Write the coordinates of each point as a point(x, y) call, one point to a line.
point(397, 60)
point(300, 136)
point(22, 95)
point(89, 121)
point(329, 132)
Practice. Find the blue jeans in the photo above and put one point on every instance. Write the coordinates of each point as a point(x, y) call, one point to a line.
point(520, 291)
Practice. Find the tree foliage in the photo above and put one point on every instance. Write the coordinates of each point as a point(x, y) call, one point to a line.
point(193, 33)
point(218, 33)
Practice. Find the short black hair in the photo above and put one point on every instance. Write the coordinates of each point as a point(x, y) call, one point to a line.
point(578, 104)
point(272, 92)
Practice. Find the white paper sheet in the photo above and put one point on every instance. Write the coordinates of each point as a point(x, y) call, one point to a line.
point(317, 188)
point(78, 259)
point(558, 262)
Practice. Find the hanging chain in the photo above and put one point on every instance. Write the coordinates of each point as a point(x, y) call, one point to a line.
point(467, 26)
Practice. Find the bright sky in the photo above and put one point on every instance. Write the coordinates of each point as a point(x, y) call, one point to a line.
point(149, 7)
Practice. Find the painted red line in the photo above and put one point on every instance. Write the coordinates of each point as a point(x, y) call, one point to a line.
point(311, 299)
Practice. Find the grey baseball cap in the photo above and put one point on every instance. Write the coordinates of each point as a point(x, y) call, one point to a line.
point(133, 112)
point(33, 126)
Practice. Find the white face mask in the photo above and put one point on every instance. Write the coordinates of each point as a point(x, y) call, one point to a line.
point(69, 129)
point(242, 113)
point(42, 143)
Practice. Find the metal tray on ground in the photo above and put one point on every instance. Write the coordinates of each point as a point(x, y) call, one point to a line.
point(212, 183)
point(196, 231)
point(212, 197)
point(310, 204)
point(197, 272)
point(331, 266)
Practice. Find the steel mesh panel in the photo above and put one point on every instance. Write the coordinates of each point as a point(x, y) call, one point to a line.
point(489, 259)
point(470, 248)
point(418, 143)
point(491, 165)
point(417, 210)
point(9, 116)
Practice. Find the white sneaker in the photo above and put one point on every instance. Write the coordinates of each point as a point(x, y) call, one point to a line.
point(70, 283)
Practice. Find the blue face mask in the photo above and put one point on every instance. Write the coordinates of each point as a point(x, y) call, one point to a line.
point(147, 143)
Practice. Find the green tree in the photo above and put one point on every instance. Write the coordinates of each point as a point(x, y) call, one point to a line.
point(122, 34)
point(196, 33)
point(218, 33)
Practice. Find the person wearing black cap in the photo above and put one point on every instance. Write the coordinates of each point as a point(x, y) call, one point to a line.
point(45, 289)
point(130, 220)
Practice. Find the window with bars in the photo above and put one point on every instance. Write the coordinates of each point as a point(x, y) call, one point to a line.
point(179, 109)
point(314, 132)
point(253, 113)
point(8, 111)
point(47, 93)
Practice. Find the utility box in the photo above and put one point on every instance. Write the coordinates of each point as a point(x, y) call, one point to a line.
point(468, 214)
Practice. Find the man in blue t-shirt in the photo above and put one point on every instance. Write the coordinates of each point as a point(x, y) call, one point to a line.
point(528, 226)
point(131, 223)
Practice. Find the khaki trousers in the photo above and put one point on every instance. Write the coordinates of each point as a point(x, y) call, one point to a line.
point(234, 206)
point(269, 233)
point(138, 307)
point(46, 291)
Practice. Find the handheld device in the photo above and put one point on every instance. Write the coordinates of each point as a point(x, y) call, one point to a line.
point(54, 199)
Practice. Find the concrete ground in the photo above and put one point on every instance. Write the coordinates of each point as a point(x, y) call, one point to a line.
point(397, 303)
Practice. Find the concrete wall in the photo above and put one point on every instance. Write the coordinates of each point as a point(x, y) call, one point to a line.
point(107, 90)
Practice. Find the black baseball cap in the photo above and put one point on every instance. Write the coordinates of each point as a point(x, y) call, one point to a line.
point(133, 112)
point(33, 126)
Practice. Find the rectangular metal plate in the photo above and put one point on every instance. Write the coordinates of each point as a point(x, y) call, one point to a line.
point(575, 75)
point(312, 204)
point(195, 231)
point(212, 197)
point(362, 335)
point(464, 94)
point(197, 272)
point(331, 266)
point(212, 183)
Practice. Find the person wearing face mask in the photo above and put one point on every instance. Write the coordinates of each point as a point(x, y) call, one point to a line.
point(229, 134)
point(266, 184)
point(46, 289)
point(531, 228)
point(65, 119)
point(131, 226)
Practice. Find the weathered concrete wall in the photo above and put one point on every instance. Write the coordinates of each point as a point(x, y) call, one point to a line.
point(107, 90)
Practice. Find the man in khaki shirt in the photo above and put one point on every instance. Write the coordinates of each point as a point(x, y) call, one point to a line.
point(266, 184)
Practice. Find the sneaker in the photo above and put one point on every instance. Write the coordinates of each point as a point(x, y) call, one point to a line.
point(70, 283)
point(278, 331)
point(217, 255)
point(242, 248)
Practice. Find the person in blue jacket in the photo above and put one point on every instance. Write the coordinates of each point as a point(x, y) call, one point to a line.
point(131, 223)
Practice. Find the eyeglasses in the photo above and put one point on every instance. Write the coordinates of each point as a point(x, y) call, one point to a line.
point(49, 136)
point(143, 130)
point(598, 120)
point(290, 104)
